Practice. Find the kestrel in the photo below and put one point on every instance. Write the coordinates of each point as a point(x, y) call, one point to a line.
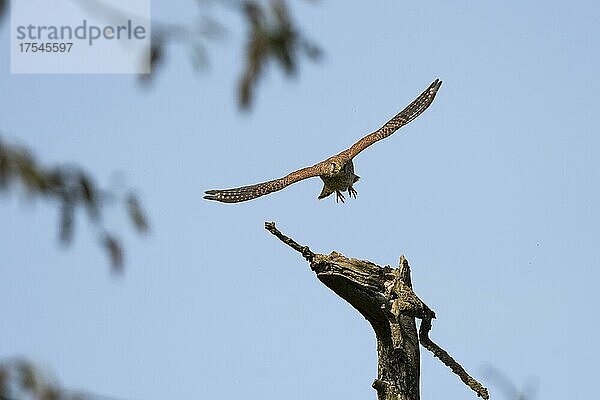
point(337, 172)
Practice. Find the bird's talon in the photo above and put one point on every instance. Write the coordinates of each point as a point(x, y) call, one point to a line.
point(352, 192)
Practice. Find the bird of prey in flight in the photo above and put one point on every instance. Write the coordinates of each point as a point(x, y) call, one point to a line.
point(337, 172)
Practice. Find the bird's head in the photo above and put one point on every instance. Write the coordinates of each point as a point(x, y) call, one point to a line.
point(335, 167)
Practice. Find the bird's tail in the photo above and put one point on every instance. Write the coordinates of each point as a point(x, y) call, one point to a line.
point(325, 192)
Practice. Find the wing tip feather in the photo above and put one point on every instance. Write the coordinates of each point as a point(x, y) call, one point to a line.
point(435, 86)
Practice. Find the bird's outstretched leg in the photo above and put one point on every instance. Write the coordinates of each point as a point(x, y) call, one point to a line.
point(339, 197)
point(352, 192)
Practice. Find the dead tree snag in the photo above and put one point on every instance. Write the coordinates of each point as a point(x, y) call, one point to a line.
point(384, 296)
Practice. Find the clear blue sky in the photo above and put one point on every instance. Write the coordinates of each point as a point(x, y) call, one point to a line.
point(492, 194)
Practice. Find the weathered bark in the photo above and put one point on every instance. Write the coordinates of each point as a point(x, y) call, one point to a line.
point(384, 296)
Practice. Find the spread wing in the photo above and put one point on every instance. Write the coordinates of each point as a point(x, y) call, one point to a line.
point(412, 111)
point(246, 193)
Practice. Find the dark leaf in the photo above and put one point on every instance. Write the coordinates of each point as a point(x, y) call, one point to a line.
point(89, 196)
point(87, 189)
point(285, 55)
point(136, 214)
point(114, 251)
point(154, 59)
point(66, 221)
point(156, 53)
point(5, 168)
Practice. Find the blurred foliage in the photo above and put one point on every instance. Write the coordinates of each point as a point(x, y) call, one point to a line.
point(21, 380)
point(508, 388)
point(71, 188)
point(194, 37)
point(272, 35)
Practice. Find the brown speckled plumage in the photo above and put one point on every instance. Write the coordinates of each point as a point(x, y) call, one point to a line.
point(337, 172)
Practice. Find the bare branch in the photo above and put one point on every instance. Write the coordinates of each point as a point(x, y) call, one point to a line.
point(447, 359)
point(304, 250)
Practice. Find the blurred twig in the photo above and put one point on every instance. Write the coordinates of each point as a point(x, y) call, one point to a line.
point(71, 188)
point(21, 379)
point(272, 36)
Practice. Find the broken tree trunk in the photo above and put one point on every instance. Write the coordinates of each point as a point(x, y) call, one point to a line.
point(384, 296)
